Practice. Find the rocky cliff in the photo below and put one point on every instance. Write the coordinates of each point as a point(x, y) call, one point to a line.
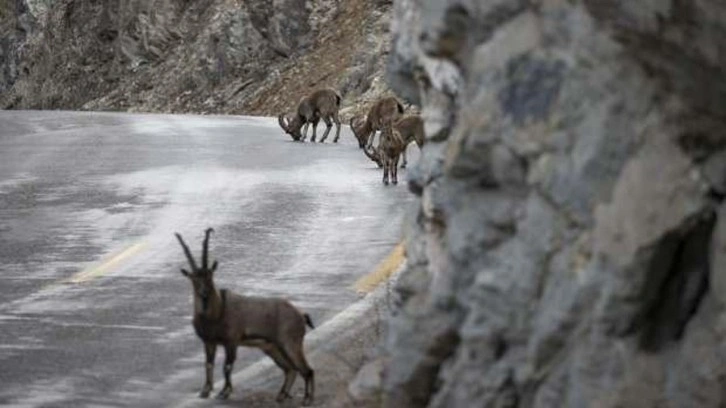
point(204, 56)
point(568, 248)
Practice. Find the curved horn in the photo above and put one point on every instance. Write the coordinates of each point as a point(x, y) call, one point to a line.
point(371, 155)
point(359, 133)
point(205, 247)
point(281, 121)
point(353, 127)
point(188, 253)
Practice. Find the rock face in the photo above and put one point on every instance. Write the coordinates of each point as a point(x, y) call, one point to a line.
point(209, 56)
point(569, 246)
point(15, 24)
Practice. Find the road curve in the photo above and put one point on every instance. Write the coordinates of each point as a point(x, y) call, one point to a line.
point(93, 310)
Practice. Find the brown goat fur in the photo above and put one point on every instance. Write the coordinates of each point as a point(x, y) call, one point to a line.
point(223, 318)
point(321, 104)
point(390, 148)
point(411, 128)
point(384, 112)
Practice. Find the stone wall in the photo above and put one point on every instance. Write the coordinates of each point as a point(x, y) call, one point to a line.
point(569, 246)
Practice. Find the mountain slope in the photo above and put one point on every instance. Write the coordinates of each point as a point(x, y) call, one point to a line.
point(205, 56)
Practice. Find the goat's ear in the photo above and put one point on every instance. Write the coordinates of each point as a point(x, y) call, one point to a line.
point(186, 273)
point(214, 267)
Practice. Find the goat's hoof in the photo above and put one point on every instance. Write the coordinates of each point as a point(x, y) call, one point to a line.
point(395, 182)
point(225, 393)
point(205, 392)
point(307, 401)
point(282, 396)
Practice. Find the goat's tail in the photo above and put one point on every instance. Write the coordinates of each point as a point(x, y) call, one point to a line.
point(308, 320)
point(401, 109)
point(338, 99)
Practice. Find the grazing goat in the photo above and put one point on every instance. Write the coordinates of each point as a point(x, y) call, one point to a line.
point(389, 149)
point(384, 112)
point(321, 104)
point(411, 129)
point(224, 318)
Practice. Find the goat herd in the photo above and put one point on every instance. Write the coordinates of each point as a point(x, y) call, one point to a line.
point(273, 325)
point(386, 115)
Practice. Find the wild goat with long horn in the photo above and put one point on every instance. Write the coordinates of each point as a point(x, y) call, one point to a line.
point(384, 112)
point(227, 319)
point(321, 104)
point(411, 128)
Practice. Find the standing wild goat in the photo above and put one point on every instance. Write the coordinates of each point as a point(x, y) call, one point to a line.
point(389, 149)
point(384, 112)
point(227, 319)
point(321, 104)
point(411, 128)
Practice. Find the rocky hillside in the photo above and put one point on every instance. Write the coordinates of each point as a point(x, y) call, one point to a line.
point(207, 56)
point(569, 247)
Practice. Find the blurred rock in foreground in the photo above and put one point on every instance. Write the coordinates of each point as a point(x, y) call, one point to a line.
point(569, 249)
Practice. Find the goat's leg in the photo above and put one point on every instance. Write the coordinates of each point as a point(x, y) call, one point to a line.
point(287, 367)
point(385, 171)
point(394, 170)
point(403, 154)
point(295, 352)
point(230, 356)
point(315, 129)
point(305, 131)
point(336, 119)
point(328, 126)
point(210, 350)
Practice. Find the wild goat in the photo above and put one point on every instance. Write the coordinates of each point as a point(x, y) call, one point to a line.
point(411, 129)
point(321, 104)
point(389, 149)
point(230, 320)
point(384, 111)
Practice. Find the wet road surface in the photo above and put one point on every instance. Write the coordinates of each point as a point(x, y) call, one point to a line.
point(93, 309)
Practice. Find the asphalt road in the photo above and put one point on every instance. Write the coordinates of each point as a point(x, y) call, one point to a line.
point(93, 309)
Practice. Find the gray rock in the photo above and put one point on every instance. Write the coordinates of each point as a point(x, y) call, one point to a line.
point(714, 171)
point(187, 56)
point(367, 383)
point(718, 258)
point(568, 249)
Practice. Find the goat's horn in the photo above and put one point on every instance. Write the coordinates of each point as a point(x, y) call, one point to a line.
point(205, 247)
point(188, 253)
point(281, 121)
point(370, 154)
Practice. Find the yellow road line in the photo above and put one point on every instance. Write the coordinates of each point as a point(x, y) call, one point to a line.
point(384, 271)
point(99, 270)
